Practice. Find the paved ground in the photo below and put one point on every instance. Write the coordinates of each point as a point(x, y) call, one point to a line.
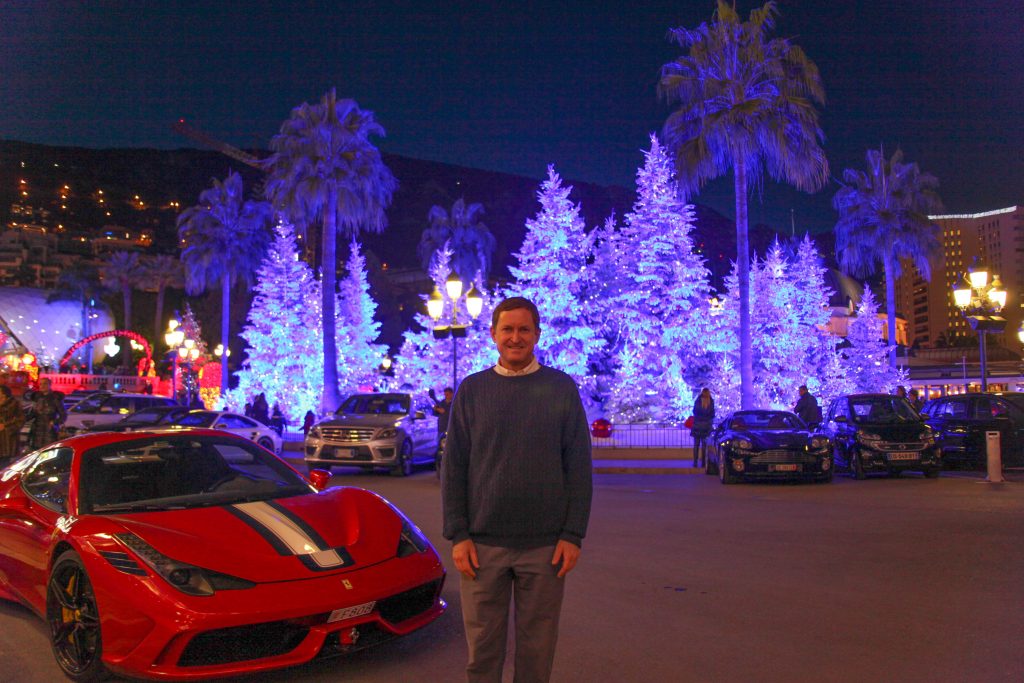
point(683, 579)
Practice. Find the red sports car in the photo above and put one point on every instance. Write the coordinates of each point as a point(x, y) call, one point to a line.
point(190, 555)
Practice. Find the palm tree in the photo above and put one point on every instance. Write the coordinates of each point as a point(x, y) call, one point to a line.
point(883, 216)
point(223, 239)
point(122, 271)
point(746, 102)
point(163, 271)
point(80, 282)
point(325, 168)
point(471, 242)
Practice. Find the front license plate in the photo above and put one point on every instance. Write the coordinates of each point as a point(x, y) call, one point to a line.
point(351, 612)
point(903, 455)
point(784, 468)
point(344, 452)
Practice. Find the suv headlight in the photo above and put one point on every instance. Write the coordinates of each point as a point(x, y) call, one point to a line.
point(185, 577)
point(819, 442)
point(868, 437)
point(314, 433)
point(387, 433)
point(742, 444)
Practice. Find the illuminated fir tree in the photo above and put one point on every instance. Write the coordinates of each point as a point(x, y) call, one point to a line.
point(659, 301)
point(283, 334)
point(551, 271)
point(359, 356)
point(867, 356)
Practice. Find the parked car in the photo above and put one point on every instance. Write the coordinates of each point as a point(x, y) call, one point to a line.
point(196, 554)
point(374, 430)
point(243, 426)
point(106, 408)
point(960, 423)
point(767, 444)
point(880, 433)
point(146, 418)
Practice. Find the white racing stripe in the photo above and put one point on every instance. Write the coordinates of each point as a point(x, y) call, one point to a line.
point(289, 533)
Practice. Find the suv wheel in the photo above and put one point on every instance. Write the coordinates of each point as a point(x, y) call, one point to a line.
point(857, 466)
point(403, 463)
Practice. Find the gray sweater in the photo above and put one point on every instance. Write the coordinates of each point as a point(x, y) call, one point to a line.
point(516, 471)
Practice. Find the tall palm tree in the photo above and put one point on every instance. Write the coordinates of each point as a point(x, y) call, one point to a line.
point(163, 271)
point(122, 271)
point(325, 169)
point(81, 283)
point(883, 216)
point(746, 102)
point(223, 239)
point(471, 242)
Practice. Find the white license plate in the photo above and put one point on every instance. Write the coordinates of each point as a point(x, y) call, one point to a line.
point(903, 455)
point(344, 452)
point(351, 612)
point(784, 468)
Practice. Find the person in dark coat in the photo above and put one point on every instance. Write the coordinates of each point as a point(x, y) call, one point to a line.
point(806, 407)
point(308, 420)
point(703, 420)
point(48, 415)
point(260, 409)
point(11, 418)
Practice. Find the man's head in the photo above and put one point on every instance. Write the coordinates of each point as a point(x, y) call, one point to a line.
point(448, 393)
point(44, 385)
point(913, 394)
point(803, 389)
point(515, 329)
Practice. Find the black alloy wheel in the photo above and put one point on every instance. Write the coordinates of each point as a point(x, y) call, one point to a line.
point(403, 463)
point(266, 443)
point(74, 621)
point(724, 475)
point(857, 466)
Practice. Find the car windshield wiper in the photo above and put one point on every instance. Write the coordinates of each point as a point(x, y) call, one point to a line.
point(135, 507)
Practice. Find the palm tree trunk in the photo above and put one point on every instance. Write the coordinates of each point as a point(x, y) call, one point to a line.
point(743, 272)
point(328, 264)
point(158, 321)
point(225, 331)
point(890, 305)
point(127, 307)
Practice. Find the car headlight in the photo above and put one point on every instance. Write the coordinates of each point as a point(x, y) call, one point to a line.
point(742, 444)
point(387, 433)
point(314, 432)
point(411, 541)
point(185, 577)
point(819, 442)
point(868, 437)
point(927, 437)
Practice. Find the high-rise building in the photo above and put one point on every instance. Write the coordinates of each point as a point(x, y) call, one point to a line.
point(996, 238)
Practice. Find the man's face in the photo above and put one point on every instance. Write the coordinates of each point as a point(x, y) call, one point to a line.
point(515, 335)
point(44, 385)
point(802, 391)
point(448, 394)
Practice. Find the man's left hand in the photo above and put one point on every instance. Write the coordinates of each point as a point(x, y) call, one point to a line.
point(567, 553)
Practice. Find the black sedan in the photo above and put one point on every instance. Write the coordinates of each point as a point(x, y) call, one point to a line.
point(961, 423)
point(146, 418)
point(881, 433)
point(767, 444)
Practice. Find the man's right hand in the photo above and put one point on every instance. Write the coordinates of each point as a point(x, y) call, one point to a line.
point(464, 556)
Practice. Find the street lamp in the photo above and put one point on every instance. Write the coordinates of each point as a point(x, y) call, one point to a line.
point(453, 287)
point(981, 302)
point(174, 336)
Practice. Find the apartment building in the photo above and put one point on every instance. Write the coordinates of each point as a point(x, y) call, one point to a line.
point(996, 238)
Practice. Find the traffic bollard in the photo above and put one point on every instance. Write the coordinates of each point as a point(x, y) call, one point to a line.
point(995, 460)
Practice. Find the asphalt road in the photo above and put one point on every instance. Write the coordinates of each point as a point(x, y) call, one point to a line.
point(683, 579)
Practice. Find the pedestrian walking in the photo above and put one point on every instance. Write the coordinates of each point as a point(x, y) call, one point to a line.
point(12, 417)
point(47, 415)
point(442, 409)
point(516, 491)
point(308, 420)
point(703, 421)
point(260, 409)
point(806, 407)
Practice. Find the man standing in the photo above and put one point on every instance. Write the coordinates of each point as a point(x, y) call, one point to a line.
point(516, 490)
point(443, 410)
point(807, 407)
point(48, 415)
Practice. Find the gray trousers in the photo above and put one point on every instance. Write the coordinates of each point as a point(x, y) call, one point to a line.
point(529, 577)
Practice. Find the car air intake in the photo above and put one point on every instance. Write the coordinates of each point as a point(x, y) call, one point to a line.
point(409, 604)
point(242, 643)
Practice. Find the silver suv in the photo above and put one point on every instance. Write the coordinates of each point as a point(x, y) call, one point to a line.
point(374, 430)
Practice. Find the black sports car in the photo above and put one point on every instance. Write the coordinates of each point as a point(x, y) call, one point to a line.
point(767, 444)
point(881, 433)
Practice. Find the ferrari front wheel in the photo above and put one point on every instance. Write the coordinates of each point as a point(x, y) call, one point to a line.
point(74, 620)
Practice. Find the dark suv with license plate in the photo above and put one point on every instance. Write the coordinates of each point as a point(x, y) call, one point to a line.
point(880, 433)
point(960, 423)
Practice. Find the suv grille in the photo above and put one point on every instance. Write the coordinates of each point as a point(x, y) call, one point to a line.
point(346, 434)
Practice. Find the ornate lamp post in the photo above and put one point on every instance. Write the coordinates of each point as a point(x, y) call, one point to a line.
point(435, 308)
point(980, 302)
point(174, 337)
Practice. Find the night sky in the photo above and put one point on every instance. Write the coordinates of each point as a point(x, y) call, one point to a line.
point(514, 86)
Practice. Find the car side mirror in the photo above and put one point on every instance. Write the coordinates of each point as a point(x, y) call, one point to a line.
point(840, 419)
point(319, 479)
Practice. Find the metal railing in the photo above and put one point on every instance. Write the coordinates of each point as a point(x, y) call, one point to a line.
point(645, 435)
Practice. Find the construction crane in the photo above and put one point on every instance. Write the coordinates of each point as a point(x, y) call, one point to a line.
point(207, 140)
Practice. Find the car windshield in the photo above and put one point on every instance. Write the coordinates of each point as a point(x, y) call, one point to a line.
point(765, 420)
point(376, 404)
point(174, 472)
point(145, 416)
point(882, 409)
point(200, 418)
point(90, 404)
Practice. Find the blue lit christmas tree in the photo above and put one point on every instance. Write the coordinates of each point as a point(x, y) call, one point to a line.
point(867, 356)
point(551, 271)
point(359, 356)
